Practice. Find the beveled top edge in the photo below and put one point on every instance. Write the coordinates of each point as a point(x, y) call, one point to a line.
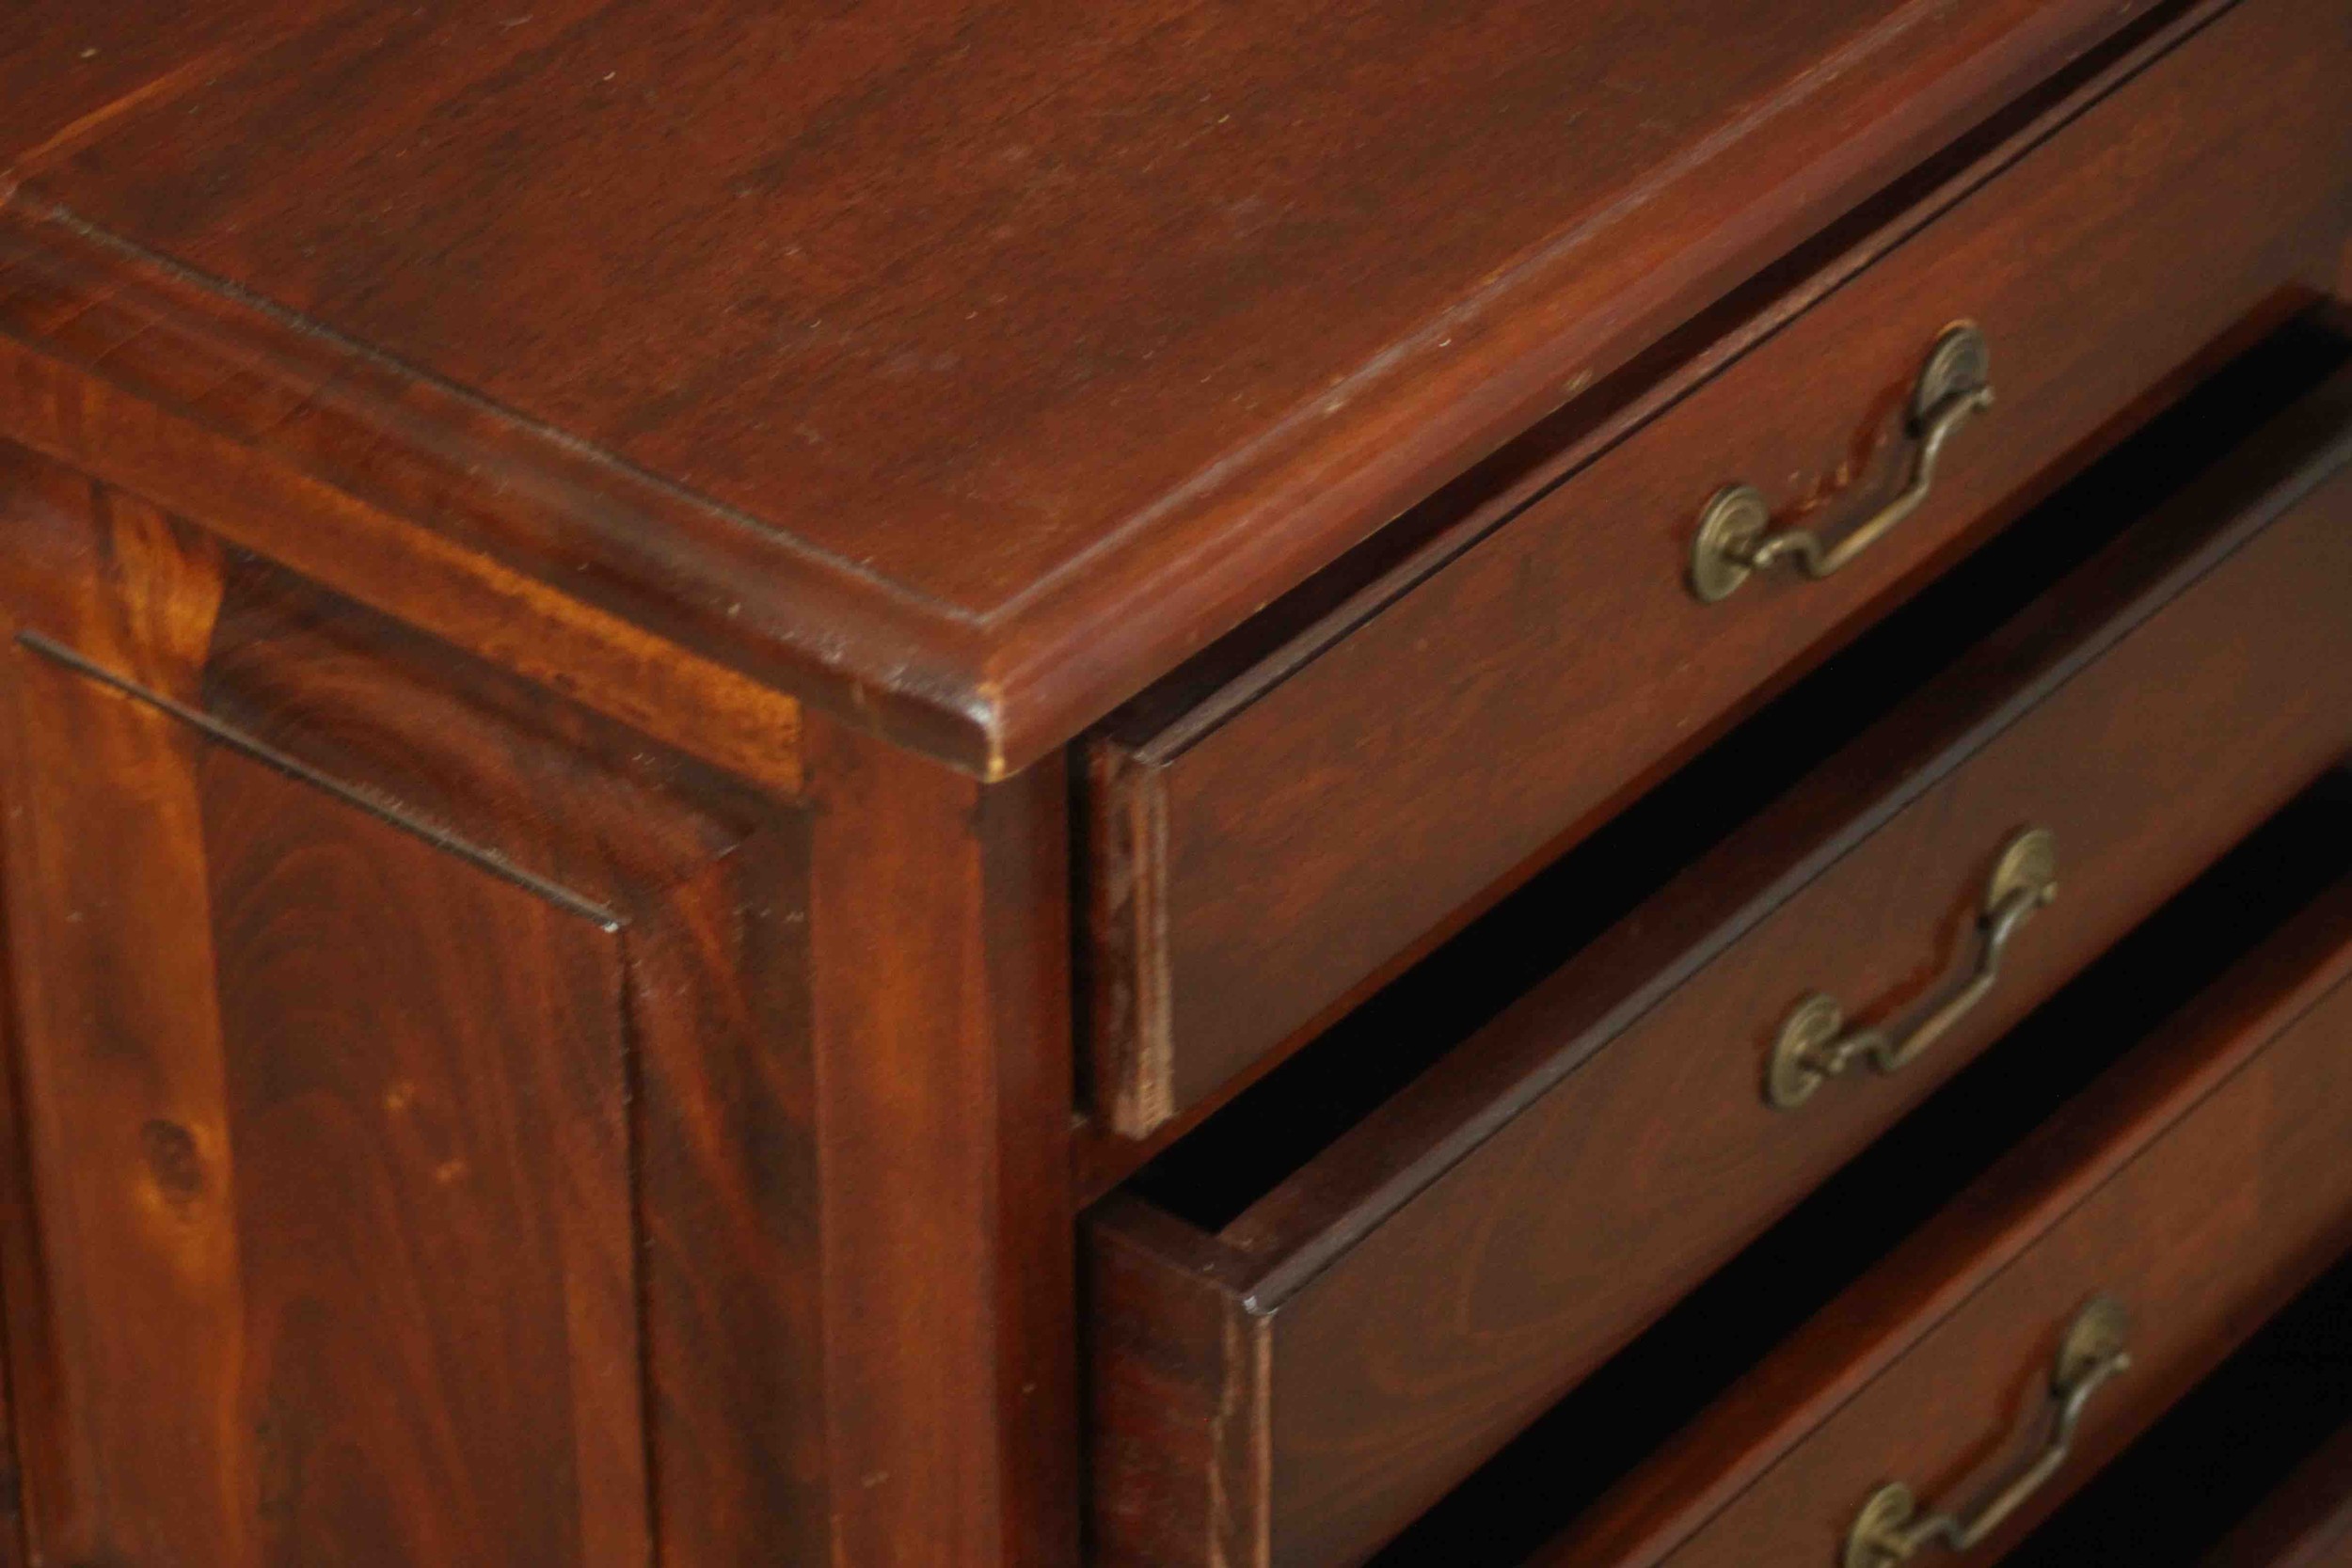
point(992, 689)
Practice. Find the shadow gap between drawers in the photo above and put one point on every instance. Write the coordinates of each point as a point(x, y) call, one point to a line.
point(1279, 1125)
point(1601, 1432)
point(2175, 1494)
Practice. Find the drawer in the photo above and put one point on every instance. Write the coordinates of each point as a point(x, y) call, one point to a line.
point(1293, 1358)
point(2062, 1306)
point(1265, 855)
point(2252, 1469)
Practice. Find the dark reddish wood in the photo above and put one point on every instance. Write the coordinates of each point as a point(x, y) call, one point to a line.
point(335, 1204)
point(1178, 1385)
point(348, 531)
point(1268, 855)
point(941, 949)
point(2306, 1524)
point(1451, 1264)
point(16, 1258)
point(463, 1129)
point(985, 359)
point(440, 453)
point(2201, 1182)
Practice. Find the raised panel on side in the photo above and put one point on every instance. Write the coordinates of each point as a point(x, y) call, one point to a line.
point(412, 1093)
point(327, 1131)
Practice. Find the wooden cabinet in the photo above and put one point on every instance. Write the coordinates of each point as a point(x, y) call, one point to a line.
point(373, 1017)
point(2057, 1281)
point(1003, 786)
point(1386, 1314)
point(415, 1087)
point(1410, 753)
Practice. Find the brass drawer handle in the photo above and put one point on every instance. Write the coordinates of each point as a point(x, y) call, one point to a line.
point(1888, 1530)
point(1735, 536)
point(1814, 1046)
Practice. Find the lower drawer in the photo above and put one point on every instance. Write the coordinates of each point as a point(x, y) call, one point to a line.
point(2253, 1469)
point(1960, 1389)
point(1289, 1373)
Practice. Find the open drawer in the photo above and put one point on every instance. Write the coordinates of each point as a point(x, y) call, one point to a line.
point(1268, 850)
point(2251, 1470)
point(1288, 1370)
point(1940, 1406)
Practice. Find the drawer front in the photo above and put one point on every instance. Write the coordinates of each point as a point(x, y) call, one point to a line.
point(1364, 1334)
point(1254, 874)
point(2192, 1191)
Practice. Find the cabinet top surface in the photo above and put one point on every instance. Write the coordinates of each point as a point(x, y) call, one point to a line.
point(1012, 350)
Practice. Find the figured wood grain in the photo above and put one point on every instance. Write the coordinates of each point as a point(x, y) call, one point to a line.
point(1427, 1285)
point(536, 909)
point(902, 285)
point(1178, 1404)
point(2197, 1184)
point(348, 1268)
point(17, 1258)
point(337, 508)
point(1265, 860)
point(939, 947)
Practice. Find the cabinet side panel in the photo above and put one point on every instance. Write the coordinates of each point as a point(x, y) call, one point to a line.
point(407, 1115)
point(329, 1168)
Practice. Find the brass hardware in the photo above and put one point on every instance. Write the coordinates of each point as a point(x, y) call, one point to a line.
point(1888, 1530)
point(1735, 536)
point(1814, 1046)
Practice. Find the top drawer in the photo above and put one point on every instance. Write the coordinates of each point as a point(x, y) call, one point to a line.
point(1260, 859)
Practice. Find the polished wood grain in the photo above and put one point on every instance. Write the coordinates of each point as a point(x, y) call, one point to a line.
point(338, 1256)
point(939, 945)
point(15, 1255)
point(985, 359)
point(1427, 1284)
point(1266, 855)
point(2306, 1524)
point(706, 882)
point(342, 515)
point(549, 559)
point(2199, 1183)
point(461, 1129)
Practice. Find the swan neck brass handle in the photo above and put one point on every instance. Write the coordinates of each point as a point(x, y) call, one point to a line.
point(1890, 1528)
point(1814, 1044)
point(1736, 536)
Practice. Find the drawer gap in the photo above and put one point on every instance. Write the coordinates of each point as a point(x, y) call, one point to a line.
point(2180, 1491)
point(1596, 1435)
point(1267, 1133)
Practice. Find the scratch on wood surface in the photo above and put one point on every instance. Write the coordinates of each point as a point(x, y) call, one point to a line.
point(81, 133)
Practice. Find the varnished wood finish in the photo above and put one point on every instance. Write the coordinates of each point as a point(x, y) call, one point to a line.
point(2201, 1183)
point(1266, 856)
point(983, 360)
point(552, 561)
point(166, 427)
point(942, 1034)
point(298, 932)
point(463, 1131)
point(1429, 1283)
point(15, 1257)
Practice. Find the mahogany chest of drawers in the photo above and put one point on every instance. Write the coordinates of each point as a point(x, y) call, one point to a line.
point(1176, 785)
